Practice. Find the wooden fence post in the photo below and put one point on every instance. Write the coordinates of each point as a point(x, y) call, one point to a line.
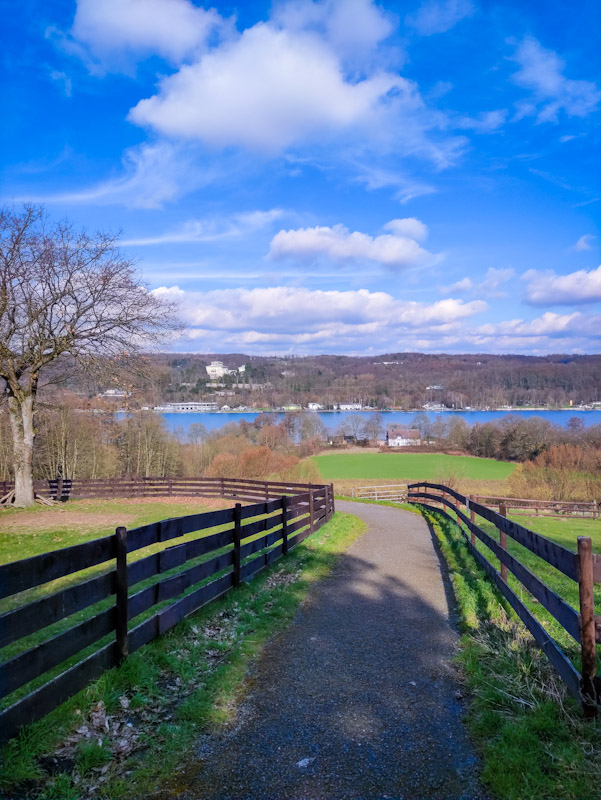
point(266, 490)
point(588, 649)
point(311, 512)
point(333, 506)
point(472, 519)
point(503, 540)
point(285, 500)
point(222, 486)
point(121, 600)
point(237, 540)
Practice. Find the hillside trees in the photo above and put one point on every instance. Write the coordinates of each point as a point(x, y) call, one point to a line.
point(67, 299)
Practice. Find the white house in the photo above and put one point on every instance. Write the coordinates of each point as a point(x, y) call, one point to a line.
point(314, 407)
point(402, 437)
point(350, 406)
point(187, 408)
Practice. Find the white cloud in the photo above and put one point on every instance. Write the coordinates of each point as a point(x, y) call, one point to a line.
point(296, 316)
point(438, 16)
point(406, 188)
point(153, 174)
point(114, 29)
point(584, 243)
point(577, 287)
point(549, 324)
point(65, 81)
point(353, 28)
point(490, 286)
point(541, 71)
point(213, 229)
point(338, 244)
point(265, 91)
point(485, 122)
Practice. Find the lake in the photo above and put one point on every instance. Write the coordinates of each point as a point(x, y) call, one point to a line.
point(332, 419)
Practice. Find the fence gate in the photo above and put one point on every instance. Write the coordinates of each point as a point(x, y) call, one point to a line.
point(396, 493)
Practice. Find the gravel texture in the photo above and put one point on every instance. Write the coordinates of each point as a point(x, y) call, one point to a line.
point(358, 698)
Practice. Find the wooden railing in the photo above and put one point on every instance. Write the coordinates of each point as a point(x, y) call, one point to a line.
point(134, 487)
point(584, 567)
point(543, 508)
point(228, 546)
point(392, 492)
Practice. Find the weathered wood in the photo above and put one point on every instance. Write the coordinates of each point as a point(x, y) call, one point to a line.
point(559, 557)
point(121, 595)
point(43, 700)
point(311, 512)
point(560, 661)
point(156, 532)
point(285, 501)
point(237, 543)
point(45, 656)
point(22, 621)
point(588, 648)
point(174, 613)
point(29, 572)
point(503, 541)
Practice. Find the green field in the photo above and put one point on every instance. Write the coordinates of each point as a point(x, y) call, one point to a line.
point(410, 466)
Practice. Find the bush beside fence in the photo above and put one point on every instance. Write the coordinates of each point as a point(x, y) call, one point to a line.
point(584, 567)
point(255, 536)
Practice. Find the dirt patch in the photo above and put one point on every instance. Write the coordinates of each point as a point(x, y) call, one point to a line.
point(76, 516)
point(47, 520)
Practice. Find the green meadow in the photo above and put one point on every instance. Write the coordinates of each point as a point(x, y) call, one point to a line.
point(410, 466)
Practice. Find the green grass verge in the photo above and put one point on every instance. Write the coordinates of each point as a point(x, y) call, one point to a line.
point(133, 729)
point(410, 466)
point(533, 739)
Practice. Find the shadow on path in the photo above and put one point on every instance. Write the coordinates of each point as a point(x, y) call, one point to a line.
point(358, 698)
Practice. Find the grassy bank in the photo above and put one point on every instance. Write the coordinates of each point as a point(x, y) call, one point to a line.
point(534, 741)
point(132, 730)
point(410, 466)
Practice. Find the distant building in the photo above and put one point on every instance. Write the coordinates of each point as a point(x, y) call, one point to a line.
point(350, 406)
point(113, 394)
point(292, 407)
point(187, 408)
point(402, 437)
point(314, 406)
point(217, 369)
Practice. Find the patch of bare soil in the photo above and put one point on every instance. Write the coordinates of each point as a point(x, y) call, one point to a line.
point(76, 517)
point(46, 520)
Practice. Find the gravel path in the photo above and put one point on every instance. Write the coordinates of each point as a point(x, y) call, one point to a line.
point(358, 698)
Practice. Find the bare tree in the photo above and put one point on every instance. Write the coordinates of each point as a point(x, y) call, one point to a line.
point(65, 297)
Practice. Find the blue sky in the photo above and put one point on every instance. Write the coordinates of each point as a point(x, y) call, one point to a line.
point(332, 176)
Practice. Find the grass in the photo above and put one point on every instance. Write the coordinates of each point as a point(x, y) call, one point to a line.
point(133, 729)
point(410, 466)
point(533, 739)
point(564, 532)
point(25, 533)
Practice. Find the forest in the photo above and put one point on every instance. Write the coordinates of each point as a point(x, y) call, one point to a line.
point(395, 380)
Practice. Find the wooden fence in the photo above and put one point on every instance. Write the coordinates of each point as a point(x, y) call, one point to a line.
point(394, 492)
point(543, 508)
point(135, 487)
point(584, 567)
point(231, 546)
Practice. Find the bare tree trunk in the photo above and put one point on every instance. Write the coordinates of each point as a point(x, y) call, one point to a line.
point(21, 422)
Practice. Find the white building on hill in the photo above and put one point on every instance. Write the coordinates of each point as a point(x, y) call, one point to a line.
point(402, 437)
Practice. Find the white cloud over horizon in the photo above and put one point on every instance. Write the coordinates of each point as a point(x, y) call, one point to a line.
point(396, 250)
point(548, 288)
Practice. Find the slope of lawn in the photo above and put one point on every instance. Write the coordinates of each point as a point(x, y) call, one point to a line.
point(410, 466)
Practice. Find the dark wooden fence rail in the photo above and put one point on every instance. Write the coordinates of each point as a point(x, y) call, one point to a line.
point(108, 488)
point(584, 567)
point(233, 545)
point(544, 508)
